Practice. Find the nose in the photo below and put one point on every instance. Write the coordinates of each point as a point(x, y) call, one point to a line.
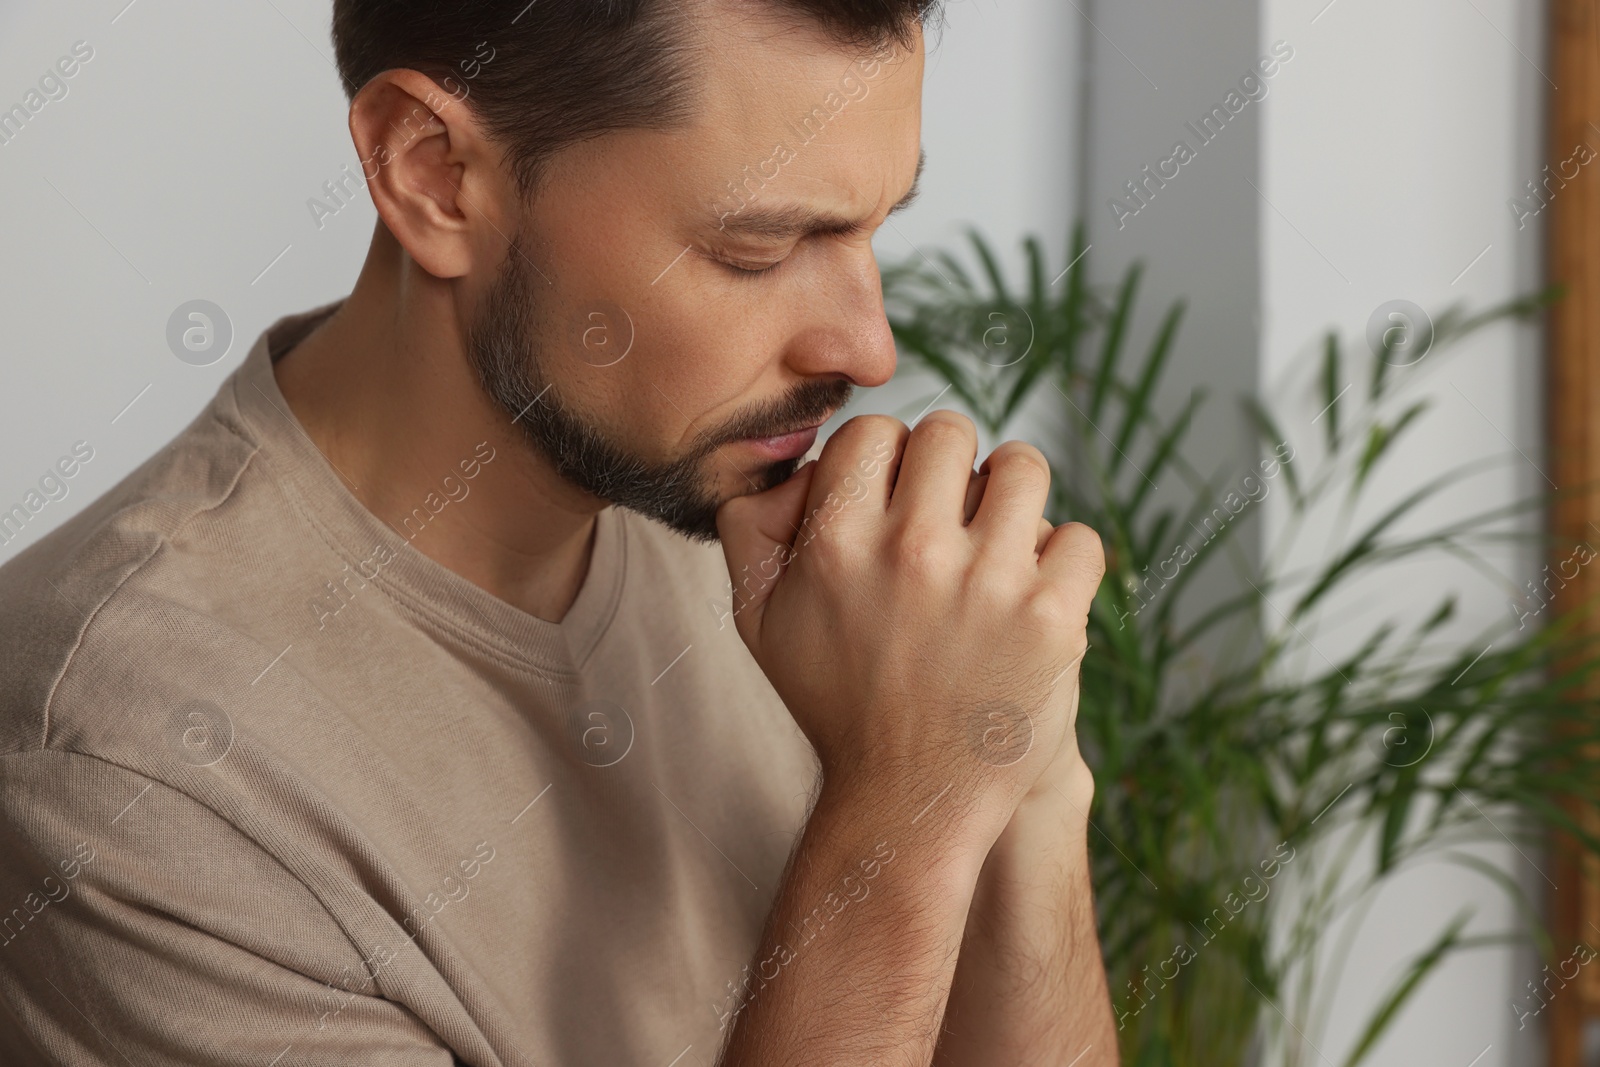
point(846, 334)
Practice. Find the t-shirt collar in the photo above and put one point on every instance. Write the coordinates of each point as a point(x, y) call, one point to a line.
point(442, 598)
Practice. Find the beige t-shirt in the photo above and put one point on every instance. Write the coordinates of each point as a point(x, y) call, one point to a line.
point(279, 789)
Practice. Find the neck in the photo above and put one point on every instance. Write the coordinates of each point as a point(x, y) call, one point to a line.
point(386, 390)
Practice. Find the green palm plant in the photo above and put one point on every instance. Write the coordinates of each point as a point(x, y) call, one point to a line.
point(1272, 761)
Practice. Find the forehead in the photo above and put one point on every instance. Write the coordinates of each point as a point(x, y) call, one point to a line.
point(790, 116)
point(786, 122)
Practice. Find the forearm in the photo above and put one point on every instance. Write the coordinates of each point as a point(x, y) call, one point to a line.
point(856, 961)
point(1030, 986)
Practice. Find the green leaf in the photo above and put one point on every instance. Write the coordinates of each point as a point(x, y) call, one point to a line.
point(1138, 405)
point(1442, 614)
point(1040, 357)
point(1380, 373)
point(1111, 344)
point(1521, 307)
point(1036, 283)
point(1237, 605)
point(1526, 908)
point(1166, 448)
point(1366, 545)
point(990, 266)
point(1155, 1051)
point(1380, 437)
point(1275, 438)
point(1212, 537)
point(957, 272)
point(1391, 1004)
point(1072, 325)
point(916, 341)
point(1331, 389)
point(1397, 808)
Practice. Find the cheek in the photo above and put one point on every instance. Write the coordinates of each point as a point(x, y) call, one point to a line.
point(643, 405)
point(701, 375)
point(654, 355)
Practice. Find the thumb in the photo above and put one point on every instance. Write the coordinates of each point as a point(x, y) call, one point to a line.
point(757, 532)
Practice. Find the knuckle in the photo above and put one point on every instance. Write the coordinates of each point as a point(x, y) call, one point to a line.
point(880, 424)
point(941, 436)
point(922, 553)
point(995, 589)
point(945, 425)
point(1020, 463)
point(865, 431)
point(1015, 452)
point(1043, 610)
point(1086, 547)
point(865, 444)
point(829, 551)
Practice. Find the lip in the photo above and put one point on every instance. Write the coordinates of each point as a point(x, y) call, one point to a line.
point(785, 446)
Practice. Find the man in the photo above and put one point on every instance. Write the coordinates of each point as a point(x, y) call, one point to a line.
point(403, 710)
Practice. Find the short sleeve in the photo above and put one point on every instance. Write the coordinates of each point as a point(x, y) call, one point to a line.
point(138, 926)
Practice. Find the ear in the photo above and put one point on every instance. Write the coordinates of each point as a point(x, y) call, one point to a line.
point(433, 175)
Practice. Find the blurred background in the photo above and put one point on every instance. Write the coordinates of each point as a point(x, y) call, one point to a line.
point(1380, 161)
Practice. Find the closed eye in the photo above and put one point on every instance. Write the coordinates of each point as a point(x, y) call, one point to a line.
point(747, 272)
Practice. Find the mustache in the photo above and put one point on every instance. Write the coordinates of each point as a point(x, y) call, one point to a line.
point(806, 405)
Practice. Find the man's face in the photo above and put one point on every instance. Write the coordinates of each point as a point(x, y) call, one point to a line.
point(621, 332)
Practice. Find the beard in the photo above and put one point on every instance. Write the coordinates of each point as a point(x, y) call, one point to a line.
point(505, 342)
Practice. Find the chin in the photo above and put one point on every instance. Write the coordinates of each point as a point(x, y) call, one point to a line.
point(697, 519)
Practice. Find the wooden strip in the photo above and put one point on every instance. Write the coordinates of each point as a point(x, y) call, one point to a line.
point(1572, 231)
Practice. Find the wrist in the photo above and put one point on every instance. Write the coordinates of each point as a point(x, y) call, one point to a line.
point(950, 827)
point(1052, 819)
point(1067, 783)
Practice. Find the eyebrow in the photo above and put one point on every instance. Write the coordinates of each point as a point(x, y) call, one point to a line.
point(782, 223)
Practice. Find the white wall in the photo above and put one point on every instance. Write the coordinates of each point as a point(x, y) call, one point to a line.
point(1388, 154)
point(176, 168)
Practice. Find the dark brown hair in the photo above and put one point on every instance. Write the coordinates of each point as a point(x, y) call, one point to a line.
point(545, 74)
